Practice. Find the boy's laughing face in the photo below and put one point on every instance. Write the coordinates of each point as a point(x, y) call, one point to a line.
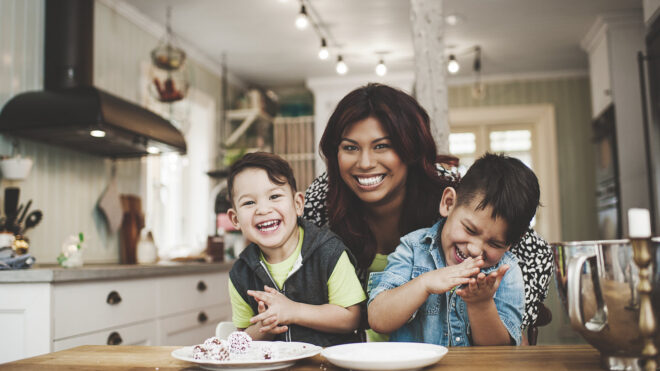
point(469, 232)
point(266, 213)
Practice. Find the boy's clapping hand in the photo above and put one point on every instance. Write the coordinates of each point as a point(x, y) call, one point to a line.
point(274, 310)
point(482, 287)
point(444, 279)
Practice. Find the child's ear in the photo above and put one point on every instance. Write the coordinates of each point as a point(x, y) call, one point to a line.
point(448, 201)
point(299, 202)
point(233, 218)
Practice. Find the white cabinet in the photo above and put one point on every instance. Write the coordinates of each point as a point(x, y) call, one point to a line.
point(599, 75)
point(176, 309)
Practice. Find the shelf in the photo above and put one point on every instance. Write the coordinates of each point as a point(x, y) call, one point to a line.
point(248, 117)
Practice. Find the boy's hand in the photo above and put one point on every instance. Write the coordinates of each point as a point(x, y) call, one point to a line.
point(270, 324)
point(444, 279)
point(277, 310)
point(482, 288)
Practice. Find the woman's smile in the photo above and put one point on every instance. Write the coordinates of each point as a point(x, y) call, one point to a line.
point(370, 181)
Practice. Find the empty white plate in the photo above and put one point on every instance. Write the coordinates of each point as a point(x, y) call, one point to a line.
point(384, 356)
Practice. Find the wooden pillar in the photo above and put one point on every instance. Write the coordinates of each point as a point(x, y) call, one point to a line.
point(427, 19)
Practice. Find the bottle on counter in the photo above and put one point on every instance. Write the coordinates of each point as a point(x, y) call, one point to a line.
point(147, 253)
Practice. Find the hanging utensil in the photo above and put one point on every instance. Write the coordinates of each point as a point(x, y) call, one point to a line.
point(27, 207)
point(32, 220)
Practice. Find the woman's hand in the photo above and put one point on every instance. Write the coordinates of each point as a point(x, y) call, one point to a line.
point(275, 310)
point(482, 288)
point(444, 279)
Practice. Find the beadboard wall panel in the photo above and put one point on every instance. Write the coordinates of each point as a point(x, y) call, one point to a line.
point(571, 99)
point(66, 185)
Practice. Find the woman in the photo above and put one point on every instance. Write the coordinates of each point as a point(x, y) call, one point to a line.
point(384, 180)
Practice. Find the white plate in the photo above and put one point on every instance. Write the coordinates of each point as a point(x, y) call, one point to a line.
point(384, 356)
point(289, 353)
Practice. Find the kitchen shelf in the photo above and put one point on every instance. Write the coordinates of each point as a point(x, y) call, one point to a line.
point(248, 118)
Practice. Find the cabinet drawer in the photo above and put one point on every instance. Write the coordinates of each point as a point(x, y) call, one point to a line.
point(138, 334)
point(86, 307)
point(193, 327)
point(184, 293)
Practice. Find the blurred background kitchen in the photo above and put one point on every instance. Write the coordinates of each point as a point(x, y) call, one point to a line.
point(557, 84)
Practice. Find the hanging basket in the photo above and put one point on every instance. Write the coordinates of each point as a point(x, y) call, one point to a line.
point(168, 57)
point(168, 87)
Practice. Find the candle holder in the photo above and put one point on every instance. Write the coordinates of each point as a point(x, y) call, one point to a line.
point(642, 253)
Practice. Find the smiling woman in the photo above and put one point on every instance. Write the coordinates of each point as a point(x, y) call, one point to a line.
point(384, 181)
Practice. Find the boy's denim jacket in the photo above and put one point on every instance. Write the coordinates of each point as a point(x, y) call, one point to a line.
point(443, 318)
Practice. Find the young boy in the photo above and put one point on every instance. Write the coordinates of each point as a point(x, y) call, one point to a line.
point(295, 281)
point(455, 283)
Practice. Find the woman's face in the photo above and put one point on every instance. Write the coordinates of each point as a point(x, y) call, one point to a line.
point(369, 165)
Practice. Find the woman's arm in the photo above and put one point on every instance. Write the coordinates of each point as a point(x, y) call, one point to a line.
point(315, 209)
point(535, 261)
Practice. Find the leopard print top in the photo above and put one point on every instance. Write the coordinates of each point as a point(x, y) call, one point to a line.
point(534, 254)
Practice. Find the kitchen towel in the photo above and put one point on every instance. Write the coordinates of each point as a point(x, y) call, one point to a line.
point(110, 205)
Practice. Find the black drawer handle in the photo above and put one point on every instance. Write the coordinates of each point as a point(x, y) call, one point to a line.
point(113, 298)
point(202, 317)
point(201, 286)
point(114, 339)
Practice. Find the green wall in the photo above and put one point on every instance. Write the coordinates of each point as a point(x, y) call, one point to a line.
point(571, 98)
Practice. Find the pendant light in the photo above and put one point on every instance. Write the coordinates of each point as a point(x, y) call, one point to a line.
point(323, 52)
point(381, 68)
point(301, 20)
point(341, 66)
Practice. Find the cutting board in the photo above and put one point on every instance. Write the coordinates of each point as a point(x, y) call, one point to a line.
point(131, 225)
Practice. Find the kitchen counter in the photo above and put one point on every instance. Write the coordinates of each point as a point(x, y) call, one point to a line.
point(54, 273)
point(548, 357)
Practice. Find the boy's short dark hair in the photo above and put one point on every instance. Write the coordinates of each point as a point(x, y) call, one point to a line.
point(508, 186)
point(278, 170)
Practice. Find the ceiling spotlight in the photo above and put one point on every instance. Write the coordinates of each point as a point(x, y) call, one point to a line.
point(323, 52)
point(454, 19)
point(302, 21)
point(153, 150)
point(453, 65)
point(97, 133)
point(381, 68)
point(341, 67)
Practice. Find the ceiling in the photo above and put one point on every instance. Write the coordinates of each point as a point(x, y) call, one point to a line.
point(264, 48)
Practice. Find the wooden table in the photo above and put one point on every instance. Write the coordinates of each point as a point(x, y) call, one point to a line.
point(103, 357)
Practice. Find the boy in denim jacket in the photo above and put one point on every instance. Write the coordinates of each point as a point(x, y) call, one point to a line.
point(456, 283)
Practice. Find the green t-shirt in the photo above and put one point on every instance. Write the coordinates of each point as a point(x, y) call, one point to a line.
point(344, 287)
point(377, 265)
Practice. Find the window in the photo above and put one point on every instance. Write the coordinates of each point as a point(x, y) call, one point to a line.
point(468, 143)
point(178, 207)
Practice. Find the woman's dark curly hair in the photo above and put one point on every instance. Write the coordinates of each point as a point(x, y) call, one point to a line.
point(408, 127)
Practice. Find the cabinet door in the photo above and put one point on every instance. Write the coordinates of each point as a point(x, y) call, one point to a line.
point(138, 334)
point(192, 327)
point(599, 73)
point(24, 320)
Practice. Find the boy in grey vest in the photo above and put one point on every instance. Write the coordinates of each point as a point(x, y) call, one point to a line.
point(295, 281)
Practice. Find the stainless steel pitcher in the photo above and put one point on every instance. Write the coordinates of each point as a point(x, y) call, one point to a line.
point(597, 283)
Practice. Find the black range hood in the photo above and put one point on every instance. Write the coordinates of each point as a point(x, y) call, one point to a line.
point(70, 107)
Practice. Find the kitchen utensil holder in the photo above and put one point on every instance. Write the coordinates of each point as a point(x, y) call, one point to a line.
point(642, 253)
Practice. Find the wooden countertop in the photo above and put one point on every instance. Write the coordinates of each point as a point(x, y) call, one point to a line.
point(103, 357)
